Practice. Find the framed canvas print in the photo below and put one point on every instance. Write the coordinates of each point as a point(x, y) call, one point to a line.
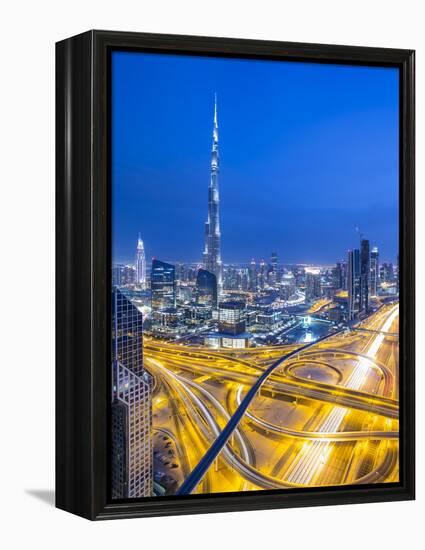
point(235, 274)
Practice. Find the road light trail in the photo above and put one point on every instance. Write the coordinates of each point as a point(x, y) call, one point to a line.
point(323, 436)
point(214, 366)
point(291, 385)
point(246, 470)
point(201, 468)
point(243, 463)
point(315, 455)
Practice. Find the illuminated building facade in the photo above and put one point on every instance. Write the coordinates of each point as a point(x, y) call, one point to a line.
point(353, 283)
point(262, 275)
point(163, 285)
point(272, 272)
point(231, 327)
point(131, 408)
point(287, 285)
point(212, 248)
point(140, 263)
point(374, 271)
point(169, 317)
point(386, 272)
point(252, 276)
point(269, 318)
point(231, 317)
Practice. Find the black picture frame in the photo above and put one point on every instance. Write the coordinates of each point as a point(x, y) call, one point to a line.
point(83, 268)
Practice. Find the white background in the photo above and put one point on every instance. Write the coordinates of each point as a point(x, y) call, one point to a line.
point(29, 30)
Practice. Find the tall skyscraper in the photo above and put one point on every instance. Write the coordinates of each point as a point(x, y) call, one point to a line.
point(163, 285)
point(140, 263)
point(342, 268)
point(131, 408)
point(337, 276)
point(117, 275)
point(252, 275)
point(353, 283)
point(206, 288)
point(212, 249)
point(262, 274)
point(374, 271)
point(364, 275)
point(272, 275)
point(386, 271)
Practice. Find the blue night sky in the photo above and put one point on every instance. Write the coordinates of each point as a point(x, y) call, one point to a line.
point(307, 153)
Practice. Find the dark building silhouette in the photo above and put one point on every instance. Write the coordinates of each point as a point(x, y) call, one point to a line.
point(206, 288)
point(252, 276)
point(364, 275)
point(261, 278)
point(337, 277)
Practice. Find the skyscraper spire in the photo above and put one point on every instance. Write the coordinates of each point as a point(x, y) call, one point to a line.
point(212, 249)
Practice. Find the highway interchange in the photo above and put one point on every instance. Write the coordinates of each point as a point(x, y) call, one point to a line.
point(326, 414)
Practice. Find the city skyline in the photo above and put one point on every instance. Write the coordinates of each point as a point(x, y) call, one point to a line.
point(309, 239)
point(231, 359)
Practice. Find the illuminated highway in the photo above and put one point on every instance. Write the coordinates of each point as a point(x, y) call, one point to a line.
point(326, 414)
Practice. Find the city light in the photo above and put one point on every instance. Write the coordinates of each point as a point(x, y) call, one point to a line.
point(263, 373)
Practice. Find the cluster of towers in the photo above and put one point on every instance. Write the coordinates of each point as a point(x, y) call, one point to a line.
point(132, 459)
point(259, 275)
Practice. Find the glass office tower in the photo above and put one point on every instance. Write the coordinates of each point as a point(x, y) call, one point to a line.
point(353, 283)
point(206, 288)
point(374, 271)
point(131, 409)
point(231, 317)
point(364, 275)
point(163, 285)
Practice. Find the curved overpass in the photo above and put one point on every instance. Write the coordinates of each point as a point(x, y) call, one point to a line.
point(311, 389)
point(200, 469)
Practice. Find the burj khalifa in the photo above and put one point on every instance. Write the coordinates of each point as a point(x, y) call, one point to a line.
point(212, 250)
